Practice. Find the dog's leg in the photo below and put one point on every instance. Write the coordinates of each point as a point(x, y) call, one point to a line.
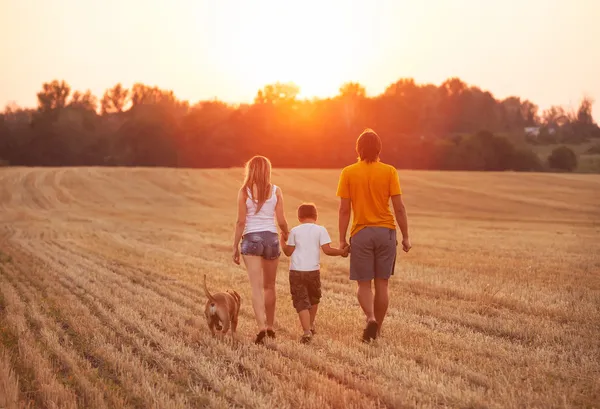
point(234, 323)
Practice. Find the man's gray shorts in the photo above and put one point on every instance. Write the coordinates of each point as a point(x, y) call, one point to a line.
point(373, 253)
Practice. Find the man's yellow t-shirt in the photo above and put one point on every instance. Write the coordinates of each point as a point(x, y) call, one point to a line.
point(369, 187)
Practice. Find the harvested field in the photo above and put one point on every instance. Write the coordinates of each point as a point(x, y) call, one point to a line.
point(496, 306)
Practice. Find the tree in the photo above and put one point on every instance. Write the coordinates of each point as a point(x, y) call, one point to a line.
point(584, 113)
point(53, 96)
point(86, 101)
point(352, 90)
point(114, 100)
point(562, 158)
point(277, 94)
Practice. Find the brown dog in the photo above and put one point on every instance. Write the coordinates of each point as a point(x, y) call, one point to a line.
point(222, 310)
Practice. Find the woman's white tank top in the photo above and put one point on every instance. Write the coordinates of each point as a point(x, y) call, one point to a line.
point(264, 220)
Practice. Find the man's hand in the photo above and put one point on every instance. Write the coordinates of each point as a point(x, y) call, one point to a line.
point(406, 246)
point(284, 236)
point(236, 255)
point(346, 251)
point(343, 244)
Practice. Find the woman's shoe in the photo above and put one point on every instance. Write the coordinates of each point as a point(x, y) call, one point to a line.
point(260, 337)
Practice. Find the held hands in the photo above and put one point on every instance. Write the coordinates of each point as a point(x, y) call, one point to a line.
point(345, 247)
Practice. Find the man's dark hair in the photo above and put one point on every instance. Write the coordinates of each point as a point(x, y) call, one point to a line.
point(368, 146)
point(307, 211)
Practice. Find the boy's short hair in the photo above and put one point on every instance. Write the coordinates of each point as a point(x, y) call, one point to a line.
point(368, 146)
point(307, 211)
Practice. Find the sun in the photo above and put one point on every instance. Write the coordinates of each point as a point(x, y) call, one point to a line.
point(312, 45)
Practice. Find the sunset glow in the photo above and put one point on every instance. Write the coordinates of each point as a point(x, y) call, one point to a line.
point(539, 49)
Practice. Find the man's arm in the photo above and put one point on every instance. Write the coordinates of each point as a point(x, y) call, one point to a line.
point(402, 220)
point(344, 220)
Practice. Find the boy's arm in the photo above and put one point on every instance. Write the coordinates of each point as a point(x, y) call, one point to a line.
point(330, 251)
point(285, 247)
point(326, 245)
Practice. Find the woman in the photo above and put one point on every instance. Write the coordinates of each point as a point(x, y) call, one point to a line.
point(259, 204)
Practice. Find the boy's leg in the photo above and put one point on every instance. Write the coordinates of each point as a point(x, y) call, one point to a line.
point(305, 320)
point(300, 299)
point(313, 314)
point(313, 286)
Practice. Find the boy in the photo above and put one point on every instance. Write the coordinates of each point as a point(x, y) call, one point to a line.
point(304, 245)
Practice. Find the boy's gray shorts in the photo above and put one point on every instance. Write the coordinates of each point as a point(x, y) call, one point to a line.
point(373, 253)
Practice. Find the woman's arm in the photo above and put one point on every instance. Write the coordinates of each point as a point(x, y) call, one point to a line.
point(280, 215)
point(240, 224)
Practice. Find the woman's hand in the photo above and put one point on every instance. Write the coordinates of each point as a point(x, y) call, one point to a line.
point(236, 255)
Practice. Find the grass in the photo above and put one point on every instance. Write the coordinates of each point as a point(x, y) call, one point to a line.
point(496, 306)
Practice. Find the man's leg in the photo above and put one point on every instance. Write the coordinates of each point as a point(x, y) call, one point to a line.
point(381, 301)
point(365, 299)
point(362, 270)
point(385, 261)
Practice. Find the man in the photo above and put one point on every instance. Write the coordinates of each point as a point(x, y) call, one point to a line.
point(366, 188)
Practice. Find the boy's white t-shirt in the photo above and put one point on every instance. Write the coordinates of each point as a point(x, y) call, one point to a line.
point(307, 239)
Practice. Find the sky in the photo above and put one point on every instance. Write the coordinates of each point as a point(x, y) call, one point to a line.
point(547, 51)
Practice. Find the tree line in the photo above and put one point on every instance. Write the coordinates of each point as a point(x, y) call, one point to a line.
point(422, 126)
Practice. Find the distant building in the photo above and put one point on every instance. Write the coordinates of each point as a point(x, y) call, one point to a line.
point(532, 130)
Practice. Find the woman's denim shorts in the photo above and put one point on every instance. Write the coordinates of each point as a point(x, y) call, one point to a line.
point(263, 243)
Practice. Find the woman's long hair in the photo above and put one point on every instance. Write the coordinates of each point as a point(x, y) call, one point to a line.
point(258, 180)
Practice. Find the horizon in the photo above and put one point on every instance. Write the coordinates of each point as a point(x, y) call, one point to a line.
point(204, 51)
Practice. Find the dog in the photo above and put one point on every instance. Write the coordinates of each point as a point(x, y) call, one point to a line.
point(222, 310)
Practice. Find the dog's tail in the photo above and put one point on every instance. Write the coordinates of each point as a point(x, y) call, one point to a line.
point(208, 294)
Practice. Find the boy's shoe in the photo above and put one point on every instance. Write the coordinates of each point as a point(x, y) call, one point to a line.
point(306, 338)
point(370, 332)
point(260, 337)
point(270, 333)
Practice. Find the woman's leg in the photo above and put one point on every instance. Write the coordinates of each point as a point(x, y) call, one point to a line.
point(269, 276)
point(255, 275)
